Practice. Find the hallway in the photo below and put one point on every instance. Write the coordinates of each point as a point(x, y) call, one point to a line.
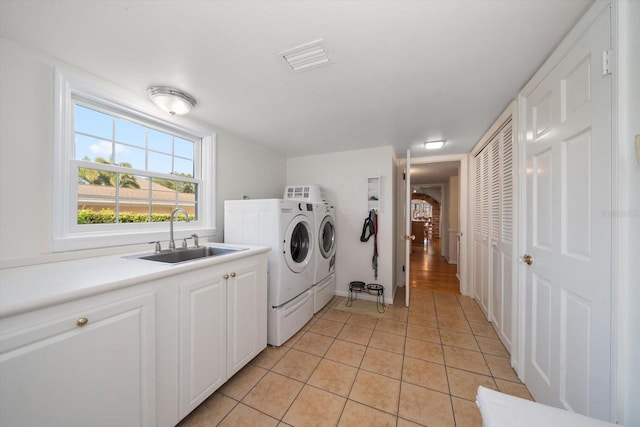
point(429, 270)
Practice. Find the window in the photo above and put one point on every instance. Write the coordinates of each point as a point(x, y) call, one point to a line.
point(120, 171)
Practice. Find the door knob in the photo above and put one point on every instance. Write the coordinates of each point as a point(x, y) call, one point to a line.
point(409, 237)
point(528, 259)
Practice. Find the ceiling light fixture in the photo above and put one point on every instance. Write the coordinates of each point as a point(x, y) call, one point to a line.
point(435, 145)
point(173, 101)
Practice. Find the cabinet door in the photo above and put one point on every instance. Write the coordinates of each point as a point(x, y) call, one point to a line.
point(202, 355)
point(93, 367)
point(247, 320)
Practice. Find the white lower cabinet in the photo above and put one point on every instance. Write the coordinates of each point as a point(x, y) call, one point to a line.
point(222, 325)
point(146, 355)
point(86, 363)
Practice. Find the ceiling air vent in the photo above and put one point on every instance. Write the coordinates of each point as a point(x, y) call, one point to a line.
point(306, 56)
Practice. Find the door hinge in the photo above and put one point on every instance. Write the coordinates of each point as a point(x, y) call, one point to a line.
point(606, 62)
point(403, 268)
point(404, 176)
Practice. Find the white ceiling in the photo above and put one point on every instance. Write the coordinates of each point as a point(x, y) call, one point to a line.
point(404, 72)
point(432, 173)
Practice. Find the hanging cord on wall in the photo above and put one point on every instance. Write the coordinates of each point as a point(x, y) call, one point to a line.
point(370, 228)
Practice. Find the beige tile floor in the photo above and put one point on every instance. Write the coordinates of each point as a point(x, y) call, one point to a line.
point(414, 367)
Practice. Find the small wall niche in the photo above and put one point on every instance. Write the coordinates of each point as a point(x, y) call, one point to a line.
point(373, 193)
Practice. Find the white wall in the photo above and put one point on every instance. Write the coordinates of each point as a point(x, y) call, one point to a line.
point(26, 134)
point(454, 202)
point(246, 169)
point(627, 212)
point(26, 141)
point(344, 175)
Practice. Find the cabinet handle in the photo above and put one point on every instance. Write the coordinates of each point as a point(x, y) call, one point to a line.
point(82, 322)
point(226, 276)
point(233, 274)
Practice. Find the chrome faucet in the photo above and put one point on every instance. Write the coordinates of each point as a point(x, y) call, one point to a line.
point(172, 243)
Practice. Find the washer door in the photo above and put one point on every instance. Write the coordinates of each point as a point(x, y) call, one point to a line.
point(298, 244)
point(327, 237)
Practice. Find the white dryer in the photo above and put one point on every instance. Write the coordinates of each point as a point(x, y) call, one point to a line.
point(287, 227)
point(324, 276)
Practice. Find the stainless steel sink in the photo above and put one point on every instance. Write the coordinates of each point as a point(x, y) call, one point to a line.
point(184, 255)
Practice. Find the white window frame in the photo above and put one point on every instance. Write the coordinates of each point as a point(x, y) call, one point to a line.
point(67, 235)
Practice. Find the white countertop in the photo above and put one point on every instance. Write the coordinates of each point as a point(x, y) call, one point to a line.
point(36, 286)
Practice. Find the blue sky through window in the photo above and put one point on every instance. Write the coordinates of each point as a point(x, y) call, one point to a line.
point(141, 147)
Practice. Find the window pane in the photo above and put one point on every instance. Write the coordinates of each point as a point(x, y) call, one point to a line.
point(160, 163)
point(159, 141)
point(130, 186)
point(133, 210)
point(161, 211)
point(130, 133)
point(93, 122)
point(184, 148)
point(129, 157)
point(96, 182)
point(191, 210)
point(187, 191)
point(164, 189)
point(100, 212)
point(88, 148)
point(183, 167)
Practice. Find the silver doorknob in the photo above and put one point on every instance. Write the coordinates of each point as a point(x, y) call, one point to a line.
point(528, 259)
point(409, 237)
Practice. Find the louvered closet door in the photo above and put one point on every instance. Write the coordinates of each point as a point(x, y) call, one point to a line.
point(493, 231)
point(481, 231)
point(478, 268)
point(484, 302)
point(495, 281)
point(502, 235)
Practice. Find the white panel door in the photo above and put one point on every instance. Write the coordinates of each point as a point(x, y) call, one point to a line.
point(568, 235)
point(203, 347)
point(246, 312)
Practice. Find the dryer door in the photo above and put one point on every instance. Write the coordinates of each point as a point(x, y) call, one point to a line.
point(298, 244)
point(327, 237)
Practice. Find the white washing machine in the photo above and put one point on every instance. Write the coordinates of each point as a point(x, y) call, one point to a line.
point(324, 277)
point(287, 227)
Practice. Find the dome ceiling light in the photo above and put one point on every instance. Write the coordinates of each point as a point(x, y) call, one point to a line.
point(173, 101)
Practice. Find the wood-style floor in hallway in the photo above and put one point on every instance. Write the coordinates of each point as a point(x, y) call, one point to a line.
point(429, 270)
